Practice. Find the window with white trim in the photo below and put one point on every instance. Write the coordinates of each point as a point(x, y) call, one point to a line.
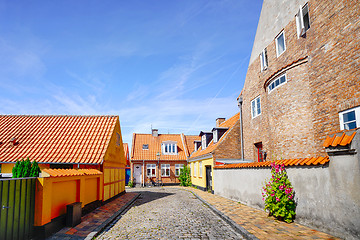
point(215, 136)
point(178, 169)
point(302, 20)
point(277, 82)
point(151, 170)
point(169, 148)
point(280, 44)
point(195, 169)
point(263, 60)
point(203, 142)
point(165, 170)
point(255, 107)
point(350, 118)
point(200, 169)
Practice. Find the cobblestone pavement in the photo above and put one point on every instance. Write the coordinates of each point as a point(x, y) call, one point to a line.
point(168, 213)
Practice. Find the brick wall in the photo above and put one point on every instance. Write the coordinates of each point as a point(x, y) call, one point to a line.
point(230, 146)
point(322, 71)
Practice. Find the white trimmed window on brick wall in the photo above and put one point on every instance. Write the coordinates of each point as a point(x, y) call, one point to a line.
point(151, 170)
point(178, 169)
point(277, 82)
point(302, 20)
point(350, 119)
point(280, 44)
point(255, 107)
point(263, 60)
point(165, 170)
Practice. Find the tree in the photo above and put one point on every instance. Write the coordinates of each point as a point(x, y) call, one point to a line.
point(185, 178)
point(25, 169)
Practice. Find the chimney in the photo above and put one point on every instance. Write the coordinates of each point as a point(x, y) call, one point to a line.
point(155, 132)
point(219, 121)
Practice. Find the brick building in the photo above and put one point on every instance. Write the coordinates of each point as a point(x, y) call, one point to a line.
point(159, 156)
point(303, 79)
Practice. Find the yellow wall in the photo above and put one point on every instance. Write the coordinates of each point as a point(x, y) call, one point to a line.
point(7, 167)
point(114, 166)
point(201, 181)
point(54, 193)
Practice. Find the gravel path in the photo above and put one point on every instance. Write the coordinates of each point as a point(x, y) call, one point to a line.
point(168, 213)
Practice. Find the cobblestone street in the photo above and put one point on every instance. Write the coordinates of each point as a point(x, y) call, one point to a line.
point(168, 213)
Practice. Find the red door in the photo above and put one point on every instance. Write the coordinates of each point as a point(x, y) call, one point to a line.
point(259, 151)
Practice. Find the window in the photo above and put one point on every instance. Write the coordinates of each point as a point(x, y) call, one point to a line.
point(178, 169)
point(200, 169)
point(203, 141)
point(350, 119)
point(145, 146)
point(280, 44)
point(277, 82)
point(165, 170)
point(151, 170)
point(215, 135)
point(302, 20)
point(263, 60)
point(255, 107)
point(195, 170)
point(169, 148)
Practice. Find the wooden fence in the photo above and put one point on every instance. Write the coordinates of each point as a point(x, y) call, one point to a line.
point(17, 197)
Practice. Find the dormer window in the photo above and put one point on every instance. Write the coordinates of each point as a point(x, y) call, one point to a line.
point(218, 132)
point(203, 141)
point(206, 138)
point(215, 135)
point(145, 146)
point(197, 145)
point(169, 148)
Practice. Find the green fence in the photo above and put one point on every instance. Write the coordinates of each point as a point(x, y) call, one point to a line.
point(17, 208)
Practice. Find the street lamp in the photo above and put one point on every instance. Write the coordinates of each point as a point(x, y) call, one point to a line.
point(158, 158)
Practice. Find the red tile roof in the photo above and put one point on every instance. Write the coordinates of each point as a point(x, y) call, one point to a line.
point(189, 143)
point(154, 143)
point(69, 172)
point(55, 139)
point(212, 146)
point(287, 162)
point(341, 138)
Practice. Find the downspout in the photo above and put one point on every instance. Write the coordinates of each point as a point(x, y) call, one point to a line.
point(143, 173)
point(240, 102)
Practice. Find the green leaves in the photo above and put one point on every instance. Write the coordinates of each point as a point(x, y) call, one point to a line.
point(278, 195)
point(184, 177)
point(24, 169)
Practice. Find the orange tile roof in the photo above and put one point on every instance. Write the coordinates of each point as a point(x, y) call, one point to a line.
point(341, 138)
point(55, 139)
point(69, 172)
point(212, 146)
point(189, 143)
point(138, 153)
point(287, 162)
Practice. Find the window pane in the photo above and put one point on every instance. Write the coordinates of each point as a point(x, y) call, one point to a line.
point(166, 148)
point(281, 43)
point(277, 82)
point(306, 17)
point(350, 116)
point(282, 79)
point(174, 148)
point(350, 125)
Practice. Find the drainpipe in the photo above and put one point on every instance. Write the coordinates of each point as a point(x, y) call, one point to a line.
point(240, 102)
point(143, 174)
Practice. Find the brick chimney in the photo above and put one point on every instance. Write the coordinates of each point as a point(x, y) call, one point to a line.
point(155, 132)
point(219, 121)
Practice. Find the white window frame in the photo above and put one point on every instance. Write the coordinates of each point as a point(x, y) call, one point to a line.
point(263, 60)
point(215, 136)
point(357, 117)
point(276, 43)
point(150, 167)
point(165, 170)
point(300, 25)
point(274, 82)
point(203, 142)
point(200, 169)
point(195, 169)
point(169, 148)
point(178, 169)
point(253, 103)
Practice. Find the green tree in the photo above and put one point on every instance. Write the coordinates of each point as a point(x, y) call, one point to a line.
point(185, 178)
point(25, 169)
point(35, 170)
point(15, 170)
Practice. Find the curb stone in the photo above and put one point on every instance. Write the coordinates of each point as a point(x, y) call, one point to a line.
point(112, 218)
point(239, 229)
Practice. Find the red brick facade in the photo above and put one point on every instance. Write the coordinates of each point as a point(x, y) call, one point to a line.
point(322, 71)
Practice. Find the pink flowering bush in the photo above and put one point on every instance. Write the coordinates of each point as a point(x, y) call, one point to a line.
point(278, 194)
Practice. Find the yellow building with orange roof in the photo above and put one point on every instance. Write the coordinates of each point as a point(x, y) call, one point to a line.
point(219, 146)
point(161, 157)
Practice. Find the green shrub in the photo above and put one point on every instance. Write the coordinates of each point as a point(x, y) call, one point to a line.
point(131, 184)
point(25, 169)
point(184, 177)
point(278, 195)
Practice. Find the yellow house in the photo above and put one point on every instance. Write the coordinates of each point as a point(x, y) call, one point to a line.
point(66, 142)
point(218, 146)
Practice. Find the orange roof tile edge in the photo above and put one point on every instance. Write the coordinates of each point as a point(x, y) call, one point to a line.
point(70, 172)
point(287, 162)
point(341, 138)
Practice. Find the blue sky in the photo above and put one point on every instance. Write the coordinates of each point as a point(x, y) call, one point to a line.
point(173, 65)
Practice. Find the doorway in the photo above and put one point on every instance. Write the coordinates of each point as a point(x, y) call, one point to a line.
point(259, 151)
point(208, 178)
point(137, 173)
